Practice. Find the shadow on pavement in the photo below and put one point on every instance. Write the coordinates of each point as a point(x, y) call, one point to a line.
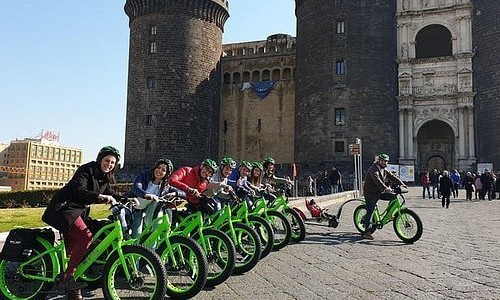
point(336, 238)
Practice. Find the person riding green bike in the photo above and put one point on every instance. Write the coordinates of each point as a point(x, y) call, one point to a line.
point(270, 180)
point(69, 208)
point(375, 184)
point(148, 187)
point(218, 189)
point(194, 181)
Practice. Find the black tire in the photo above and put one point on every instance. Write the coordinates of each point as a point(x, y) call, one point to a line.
point(247, 245)
point(358, 216)
point(408, 226)
point(297, 224)
point(15, 286)
point(188, 275)
point(220, 257)
point(333, 222)
point(265, 233)
point(281, 228)
point(150, 282)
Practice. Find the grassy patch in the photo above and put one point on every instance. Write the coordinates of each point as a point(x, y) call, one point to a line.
point(32, 217)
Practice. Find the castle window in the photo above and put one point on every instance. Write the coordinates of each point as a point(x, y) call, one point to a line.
point(151, 83)
point(255, 76)
point(339, 146)
point(287, 73)
point(147, 145)
point(152, 47)
point(339, 116)
point(153, 30)
point(236, 77)
point(276, 74)
point(227, 78)
point(340, 67)
point(149, 120)
point(340, 27)
point(266, 75)
point(225, 126)
point(246, 76)
point(259, 125)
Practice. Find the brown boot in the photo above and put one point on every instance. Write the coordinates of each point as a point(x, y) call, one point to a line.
point(368, 235)
point(75, 295)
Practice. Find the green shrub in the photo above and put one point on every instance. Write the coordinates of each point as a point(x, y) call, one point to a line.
point(40, 198)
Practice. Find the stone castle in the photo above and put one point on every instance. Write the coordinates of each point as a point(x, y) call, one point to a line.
point(417, 79)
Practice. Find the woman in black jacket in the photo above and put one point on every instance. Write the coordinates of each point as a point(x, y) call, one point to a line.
point(69, 208)
point(446, 188)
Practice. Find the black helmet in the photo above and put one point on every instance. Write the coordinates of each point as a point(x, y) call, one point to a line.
point(108, 150)
point(167, 162)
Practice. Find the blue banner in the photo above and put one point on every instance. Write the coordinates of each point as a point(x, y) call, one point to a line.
point(263, 88)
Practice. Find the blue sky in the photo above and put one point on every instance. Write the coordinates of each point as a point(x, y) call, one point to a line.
point(63, 65)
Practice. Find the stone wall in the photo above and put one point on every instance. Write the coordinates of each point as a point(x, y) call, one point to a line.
point(174, 81)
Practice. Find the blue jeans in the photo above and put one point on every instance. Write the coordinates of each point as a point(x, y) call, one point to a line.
point(142, 217)
point(371, 203)
point(334, 188)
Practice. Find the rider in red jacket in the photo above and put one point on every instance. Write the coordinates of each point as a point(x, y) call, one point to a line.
point(193, 181)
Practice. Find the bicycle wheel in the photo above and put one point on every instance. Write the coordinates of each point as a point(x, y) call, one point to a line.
point(148, 278)
point(220, 255)
point(408, 226)
point(297, 224)
point(248, 247)
point(187, 271)
point(13, 285)
point(359, 216)
point(265, 233)
point(281, 227)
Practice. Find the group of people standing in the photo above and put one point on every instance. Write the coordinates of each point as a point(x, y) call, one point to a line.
point(444, 184)
point(325, 183)
point(206, 186)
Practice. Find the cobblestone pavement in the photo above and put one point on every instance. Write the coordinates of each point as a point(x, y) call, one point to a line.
point(458, 257)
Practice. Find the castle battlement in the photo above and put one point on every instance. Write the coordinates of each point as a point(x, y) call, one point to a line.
point(277, 43)
point(214, 11)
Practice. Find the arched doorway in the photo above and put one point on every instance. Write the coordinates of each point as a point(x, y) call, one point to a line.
point(436, 146)
point(436, 162)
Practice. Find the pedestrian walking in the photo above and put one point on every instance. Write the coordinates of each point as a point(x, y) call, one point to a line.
point(446, 188)
point(425, 181)
point(468, 184)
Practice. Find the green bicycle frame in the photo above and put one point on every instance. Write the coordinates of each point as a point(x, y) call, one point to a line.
point(188, 225)
point(113, 237)
point(394, 206)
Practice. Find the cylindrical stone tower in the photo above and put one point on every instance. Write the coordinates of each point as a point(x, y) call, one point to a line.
point(345, 81)
point(486, 73)
point(173, 81)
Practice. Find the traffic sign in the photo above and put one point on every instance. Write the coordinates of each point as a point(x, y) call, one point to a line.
point(354, 149)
